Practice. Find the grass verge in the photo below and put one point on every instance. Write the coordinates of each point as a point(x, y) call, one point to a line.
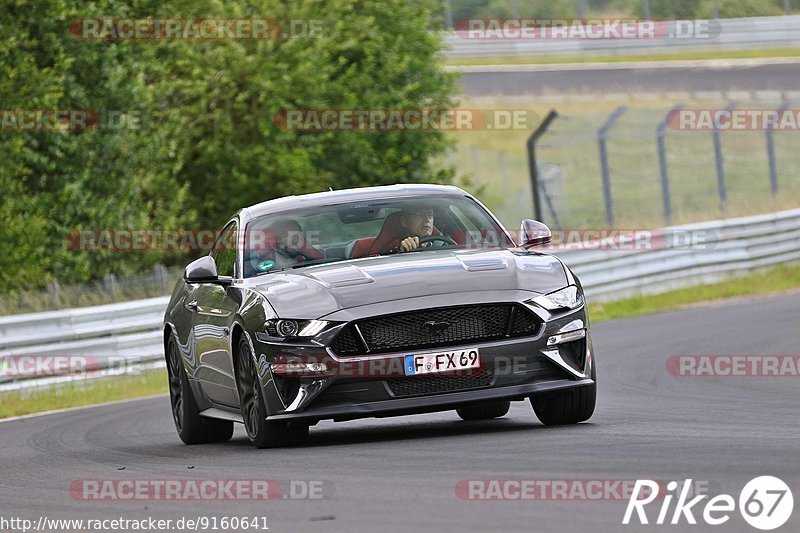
point(82, 393)
point(494, 164)
point(538, 59)
point(777, 280)
point(149, 383)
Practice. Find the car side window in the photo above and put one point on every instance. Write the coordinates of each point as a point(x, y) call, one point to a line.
point(224, 252)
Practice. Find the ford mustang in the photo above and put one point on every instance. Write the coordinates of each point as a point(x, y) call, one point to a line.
point(373, 302)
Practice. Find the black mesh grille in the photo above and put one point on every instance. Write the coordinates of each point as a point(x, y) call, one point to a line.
point(432, 328)
point(346, 343)
point(421, 385)
point(524, 322)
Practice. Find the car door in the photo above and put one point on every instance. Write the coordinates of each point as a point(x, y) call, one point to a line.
point(212, 310)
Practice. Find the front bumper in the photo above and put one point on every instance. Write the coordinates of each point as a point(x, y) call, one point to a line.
point(428, 404)
point(376, 386)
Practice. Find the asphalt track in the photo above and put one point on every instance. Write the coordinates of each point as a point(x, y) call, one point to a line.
point(621, 79)
point(400, 474)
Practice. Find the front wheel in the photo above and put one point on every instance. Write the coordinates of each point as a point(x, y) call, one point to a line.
point(262, 433)
point(567, 406)
point(192, 428)
point(484, 411)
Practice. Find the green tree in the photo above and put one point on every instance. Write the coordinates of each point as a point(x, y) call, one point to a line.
point(220, 99)
point(668, 9)
point(55, 183)
point(742, 8)
point(208, 144)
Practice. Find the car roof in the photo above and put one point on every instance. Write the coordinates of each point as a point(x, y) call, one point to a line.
point(349, 195)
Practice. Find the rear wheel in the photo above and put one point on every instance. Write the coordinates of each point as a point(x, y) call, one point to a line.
point(262, 433)
point(568, 406)
point(484, 411)
point(192, 428)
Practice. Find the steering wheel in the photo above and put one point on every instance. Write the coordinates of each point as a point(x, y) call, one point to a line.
point(434, 238)
point(423, 240)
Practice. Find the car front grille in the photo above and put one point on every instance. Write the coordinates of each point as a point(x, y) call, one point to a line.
point(431, 328)
point(422, 385)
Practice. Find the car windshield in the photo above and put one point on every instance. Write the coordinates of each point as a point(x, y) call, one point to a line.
point(339, 232)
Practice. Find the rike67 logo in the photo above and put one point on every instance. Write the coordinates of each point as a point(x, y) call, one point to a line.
point(765, 503)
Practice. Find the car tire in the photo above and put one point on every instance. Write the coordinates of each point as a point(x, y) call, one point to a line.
point(192, 428)
point(262, 433)
point(567, 406)
point(484, 411)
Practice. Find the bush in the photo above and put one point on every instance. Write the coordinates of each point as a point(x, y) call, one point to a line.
point(209, 144)
point(742, 8)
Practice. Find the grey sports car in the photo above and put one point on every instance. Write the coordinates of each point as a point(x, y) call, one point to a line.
point(373, 302)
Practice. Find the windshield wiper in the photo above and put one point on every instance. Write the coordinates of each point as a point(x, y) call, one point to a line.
point(300, 265)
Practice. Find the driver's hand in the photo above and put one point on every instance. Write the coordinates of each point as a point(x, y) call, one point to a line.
point(409, 243)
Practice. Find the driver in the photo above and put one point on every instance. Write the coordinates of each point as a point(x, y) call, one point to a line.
point(418, 223)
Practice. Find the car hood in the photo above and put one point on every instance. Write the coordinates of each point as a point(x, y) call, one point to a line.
point(318, 290)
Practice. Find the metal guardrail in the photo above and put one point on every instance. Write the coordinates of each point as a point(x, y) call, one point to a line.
point(742, 33)
point(132, 330)
point(103, 335)
point(730, 247)
point(81, 323)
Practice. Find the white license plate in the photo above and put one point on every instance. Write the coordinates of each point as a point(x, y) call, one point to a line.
point(431, 363)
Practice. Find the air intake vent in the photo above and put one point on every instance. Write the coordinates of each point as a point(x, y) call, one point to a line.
point(432, 328)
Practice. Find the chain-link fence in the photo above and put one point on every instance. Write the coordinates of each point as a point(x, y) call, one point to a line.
point(110, 289)
point(455, 10)
point(629, 168)
point(644, 167)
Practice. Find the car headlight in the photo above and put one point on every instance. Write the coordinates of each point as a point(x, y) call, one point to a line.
point(566, 298)
point(282, 328)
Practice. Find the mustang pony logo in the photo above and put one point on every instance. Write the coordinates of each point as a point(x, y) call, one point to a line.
point(432, 326)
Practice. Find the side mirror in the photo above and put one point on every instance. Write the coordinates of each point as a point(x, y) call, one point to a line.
point(203, 270)
point(533, 233)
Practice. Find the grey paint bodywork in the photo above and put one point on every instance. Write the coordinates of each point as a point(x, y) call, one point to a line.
point(208, 319)
point(319, 291)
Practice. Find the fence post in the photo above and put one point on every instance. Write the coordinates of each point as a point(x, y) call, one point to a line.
point(110, 283)
point(55, 294)
point(533, 170)
point(474, 156)
point(448, 15)
point(721, 186)
point(646, 8)
point(602, 133)
point(662, 163)
point(773, 164)
point(549, 201)
point(581, 7)
point(160, 277)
